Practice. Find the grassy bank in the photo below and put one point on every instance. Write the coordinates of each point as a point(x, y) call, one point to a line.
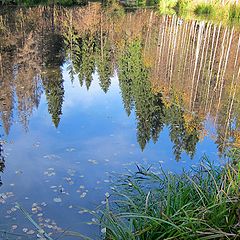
point(213, 10)
point(200, 204)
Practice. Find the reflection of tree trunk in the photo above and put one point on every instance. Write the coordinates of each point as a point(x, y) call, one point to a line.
point(181, 46)
point(22, 27)
point(224, 70)
point(192, 56)
point(169, 45)
point(219, 69)
point(101, 29)
point(175, 34)
point(232, 89)
point(187, 50)
point(159, 45)
point(147, 41)
point(199, 39)
point(232, 101)
point(158, 52)
point(202, 93)
point(164, 40)
point(211, 63)
point(200, 66)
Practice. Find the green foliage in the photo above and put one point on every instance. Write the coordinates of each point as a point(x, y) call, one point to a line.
point(82, 55)
point(54, 90)
point(183, 6)
point(104, 65)
point(136, 90)
point(151, 112)
point(88, 59)
point(167, 6)
point(199, 204)
point(53, 58)
point(182, 138)
point(73, 46)
point(234, 13)
point(204, 9)
point(141, 3)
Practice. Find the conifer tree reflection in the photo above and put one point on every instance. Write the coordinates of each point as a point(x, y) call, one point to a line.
point(136, 88)
point(2, 161)
point(158, 115)
point(81, 51)
point(88, 59)
point(151, 111)
point(53, 85)
point(73, 46)
point(183, 134)
point(95, 43)
point(175, 120)
point(104, 65)
point(53, 58)
point(126, 81)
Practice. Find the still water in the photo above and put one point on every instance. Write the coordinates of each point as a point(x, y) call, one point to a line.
point(87, 94)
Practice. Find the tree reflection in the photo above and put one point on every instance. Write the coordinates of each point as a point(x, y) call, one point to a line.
point(52, 79)
point(105, 66)
point(151, 111)
point(172, 75)
point(2, 161)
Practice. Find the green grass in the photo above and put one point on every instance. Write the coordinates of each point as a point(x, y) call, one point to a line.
point(204, 9)
point(234, 13)
point(200, 204)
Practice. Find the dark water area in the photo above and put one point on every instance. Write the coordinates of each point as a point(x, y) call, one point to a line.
point(87, 94)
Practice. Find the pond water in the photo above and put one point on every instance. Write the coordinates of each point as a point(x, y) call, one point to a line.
point(87, 94)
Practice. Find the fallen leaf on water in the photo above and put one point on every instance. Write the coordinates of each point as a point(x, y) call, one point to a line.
point(14, 227)
point(57, 200)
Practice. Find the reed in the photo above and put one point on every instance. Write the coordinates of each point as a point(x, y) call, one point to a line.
point(202, 203)
point(204, 9)
point(234, 13)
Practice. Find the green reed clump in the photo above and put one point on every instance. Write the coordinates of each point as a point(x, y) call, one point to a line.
point(234, 12)
point(200, 204)
point(204, 9)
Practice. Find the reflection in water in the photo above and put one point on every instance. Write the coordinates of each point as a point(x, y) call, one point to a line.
point(146, 80)
point(171, 72)
point(2, 161)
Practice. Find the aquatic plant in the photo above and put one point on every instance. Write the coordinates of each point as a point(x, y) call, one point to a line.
point(202, 203)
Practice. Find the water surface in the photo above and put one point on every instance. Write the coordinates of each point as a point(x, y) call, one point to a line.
point(86, 94)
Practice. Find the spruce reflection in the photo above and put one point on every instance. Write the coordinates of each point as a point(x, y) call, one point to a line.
point(151, 55)
point(52, 79)
point(152, 112)
point(2, 161)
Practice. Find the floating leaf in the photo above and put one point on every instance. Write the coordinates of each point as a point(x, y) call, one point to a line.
point(57, 200)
